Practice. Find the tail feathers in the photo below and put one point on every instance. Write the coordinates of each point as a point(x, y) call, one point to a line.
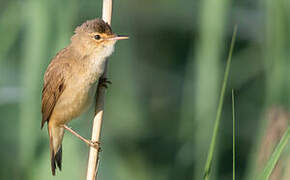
point(56, 160)
point(55, 146)
point(52, 161)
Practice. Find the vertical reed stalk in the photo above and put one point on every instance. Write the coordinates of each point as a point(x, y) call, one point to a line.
point(100, 99)
point(234, 135)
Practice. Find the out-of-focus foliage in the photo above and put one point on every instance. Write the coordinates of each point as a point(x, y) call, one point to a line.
point(161, 106)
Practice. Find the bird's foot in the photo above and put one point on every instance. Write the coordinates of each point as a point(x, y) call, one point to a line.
point(96, 145)
point(104, 82)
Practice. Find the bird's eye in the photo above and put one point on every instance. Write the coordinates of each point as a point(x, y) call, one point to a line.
point(97, 37)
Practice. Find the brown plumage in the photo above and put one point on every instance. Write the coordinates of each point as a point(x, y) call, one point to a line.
point(71, 78)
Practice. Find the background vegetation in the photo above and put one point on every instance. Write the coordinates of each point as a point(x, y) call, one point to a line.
point(167, 78)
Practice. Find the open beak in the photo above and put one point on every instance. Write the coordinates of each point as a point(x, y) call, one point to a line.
point(118, 37)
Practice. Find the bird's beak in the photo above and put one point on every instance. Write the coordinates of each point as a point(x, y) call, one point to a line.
point(118, 37)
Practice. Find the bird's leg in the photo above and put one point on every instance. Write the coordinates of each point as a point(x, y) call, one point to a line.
point(94, 144)
point(104, 82)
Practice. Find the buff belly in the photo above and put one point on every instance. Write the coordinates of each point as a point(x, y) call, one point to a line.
point(73, 102)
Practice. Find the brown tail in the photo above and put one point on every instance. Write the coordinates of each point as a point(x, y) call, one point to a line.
point(55, 145)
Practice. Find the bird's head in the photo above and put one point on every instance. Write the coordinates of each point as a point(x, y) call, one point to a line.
point(95, 36)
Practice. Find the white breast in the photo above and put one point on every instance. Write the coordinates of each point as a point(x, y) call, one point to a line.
point(96, 62)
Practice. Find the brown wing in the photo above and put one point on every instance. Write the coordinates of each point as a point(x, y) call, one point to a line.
point(54, 85)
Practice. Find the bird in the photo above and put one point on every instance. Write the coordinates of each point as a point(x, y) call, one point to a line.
point(71, 79)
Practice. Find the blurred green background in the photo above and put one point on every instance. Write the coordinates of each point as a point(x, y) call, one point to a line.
point(160, 109)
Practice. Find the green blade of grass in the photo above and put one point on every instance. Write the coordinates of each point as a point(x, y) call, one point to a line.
point(275, 156)
point(234, 135)
point(220, 107)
